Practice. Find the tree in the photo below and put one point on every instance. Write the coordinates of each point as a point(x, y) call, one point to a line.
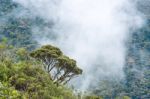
point(60, 67)
point(66, 69)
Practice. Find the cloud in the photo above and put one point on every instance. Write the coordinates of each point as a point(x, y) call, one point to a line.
point(93, 32)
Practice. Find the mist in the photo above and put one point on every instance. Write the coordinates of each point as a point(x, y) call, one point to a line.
point(93, 32)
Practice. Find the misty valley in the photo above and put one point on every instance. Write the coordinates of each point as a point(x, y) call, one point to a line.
point(74, 49)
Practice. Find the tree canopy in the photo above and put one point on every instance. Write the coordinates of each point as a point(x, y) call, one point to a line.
point(60, 67)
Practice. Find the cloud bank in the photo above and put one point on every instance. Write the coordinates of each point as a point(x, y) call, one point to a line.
point(93, 32)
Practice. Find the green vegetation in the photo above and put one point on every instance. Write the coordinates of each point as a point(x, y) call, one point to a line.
point(61, 67)
point(137, 68)
point(22, 77)
point(42, 73)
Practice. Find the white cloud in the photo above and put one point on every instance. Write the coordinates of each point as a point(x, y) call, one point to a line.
point(91, 31)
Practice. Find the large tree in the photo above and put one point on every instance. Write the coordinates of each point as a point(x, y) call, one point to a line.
point(61, 68)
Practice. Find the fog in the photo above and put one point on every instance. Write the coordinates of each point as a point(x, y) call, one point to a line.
point(93, 32)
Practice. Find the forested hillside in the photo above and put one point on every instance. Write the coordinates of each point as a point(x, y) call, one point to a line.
point(137, 68)
point(22, 77)
point(25, 71)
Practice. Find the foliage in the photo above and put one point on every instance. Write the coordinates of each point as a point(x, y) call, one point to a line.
point(92, 97)
point(137, 68)
point(9, 92)
point(14, 28)
point(60, 67)
point(25, 78)
point(123, 97)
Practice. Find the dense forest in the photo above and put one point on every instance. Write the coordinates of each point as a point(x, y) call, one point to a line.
point(31, 71)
